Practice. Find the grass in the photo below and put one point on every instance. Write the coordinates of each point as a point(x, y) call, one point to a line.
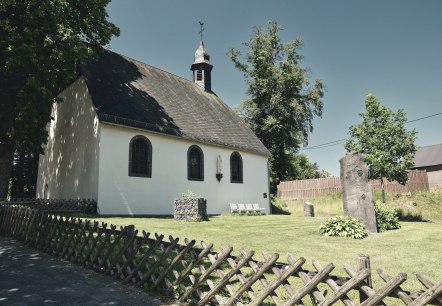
point(427, 205)
point(415, 248)
point(324, 206)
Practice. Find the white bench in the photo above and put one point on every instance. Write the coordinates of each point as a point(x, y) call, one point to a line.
point(233, 208)
point(242, 208)
point(257, 208)
point(245, 208)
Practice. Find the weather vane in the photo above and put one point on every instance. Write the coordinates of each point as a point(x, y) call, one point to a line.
point(201, 30)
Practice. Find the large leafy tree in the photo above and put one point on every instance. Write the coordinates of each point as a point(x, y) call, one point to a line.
point(301, 168)
point(42, 44)
point(381, 136)
point(282, 103)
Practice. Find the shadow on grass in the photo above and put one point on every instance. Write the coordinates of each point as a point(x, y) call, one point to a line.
point(409, 216)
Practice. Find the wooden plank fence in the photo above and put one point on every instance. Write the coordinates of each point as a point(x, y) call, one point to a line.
point(203, 276)
point(313, 188)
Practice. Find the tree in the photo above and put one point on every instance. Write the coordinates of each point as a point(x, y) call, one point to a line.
point(282, 103)
point(301, 168)
point(381, 136)
point(42, 43)
point(320, 173)
point(324, 173)
point(24, 176)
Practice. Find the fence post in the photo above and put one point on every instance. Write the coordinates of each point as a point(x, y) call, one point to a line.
point(364, 263)
point(130, 229)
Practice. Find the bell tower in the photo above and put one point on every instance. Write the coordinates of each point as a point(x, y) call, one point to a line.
point(201, 66)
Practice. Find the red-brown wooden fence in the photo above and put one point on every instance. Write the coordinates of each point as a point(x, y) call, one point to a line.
point(305, 189)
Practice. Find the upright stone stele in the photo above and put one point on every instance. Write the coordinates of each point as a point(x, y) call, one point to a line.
point(356, 191)
point(309, 209)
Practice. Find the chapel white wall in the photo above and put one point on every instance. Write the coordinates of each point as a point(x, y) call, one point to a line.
point(69, 166)
point(122, 194)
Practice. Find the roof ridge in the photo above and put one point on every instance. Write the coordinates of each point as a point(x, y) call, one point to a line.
point(433, 145)
point(162, 70)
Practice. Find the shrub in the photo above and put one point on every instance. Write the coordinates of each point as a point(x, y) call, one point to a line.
point(386, 217)
point(279, 206)
point(189, 194)
point(343, 226)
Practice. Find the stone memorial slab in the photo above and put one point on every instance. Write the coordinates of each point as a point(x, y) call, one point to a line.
point(356, 191)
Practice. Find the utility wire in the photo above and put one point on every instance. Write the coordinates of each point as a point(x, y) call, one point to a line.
point(340, 141)
point(325, 145)
point(434, 115)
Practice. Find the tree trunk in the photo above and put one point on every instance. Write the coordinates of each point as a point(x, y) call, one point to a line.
point(383, 190)
point(6, 160)
point(24, 176)
point(7, 117)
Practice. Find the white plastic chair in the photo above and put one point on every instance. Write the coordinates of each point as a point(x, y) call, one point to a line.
point(242, 208)
point(233, 208)
point(257, 208)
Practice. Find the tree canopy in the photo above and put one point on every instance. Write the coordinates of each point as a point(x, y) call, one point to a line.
point(381, 136)
point(42, 44)
point(282, 101)
point(301, 168)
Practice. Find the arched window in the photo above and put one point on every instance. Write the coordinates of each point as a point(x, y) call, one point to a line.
point(195, 164)
point(235, 168)
point(140, 157)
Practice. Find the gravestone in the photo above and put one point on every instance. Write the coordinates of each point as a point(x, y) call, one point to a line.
point(356, 191)
point(309, 209)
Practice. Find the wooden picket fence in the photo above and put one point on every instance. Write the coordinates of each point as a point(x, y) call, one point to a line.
point(313, 188)
point(202, 276)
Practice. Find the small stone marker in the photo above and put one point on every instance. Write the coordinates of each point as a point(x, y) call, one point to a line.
point(356, 191)
point(309, 209)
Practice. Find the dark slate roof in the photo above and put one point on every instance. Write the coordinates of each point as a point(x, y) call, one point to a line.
point(130, 93)
point(428, 156)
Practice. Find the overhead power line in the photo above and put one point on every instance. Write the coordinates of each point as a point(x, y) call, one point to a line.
point(325, 145)
point(434, 115)
point(340, 141)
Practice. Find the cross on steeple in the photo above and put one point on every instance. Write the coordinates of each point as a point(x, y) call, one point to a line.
point(201, 29)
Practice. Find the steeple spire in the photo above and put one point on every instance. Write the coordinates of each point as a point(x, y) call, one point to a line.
point(201, 66)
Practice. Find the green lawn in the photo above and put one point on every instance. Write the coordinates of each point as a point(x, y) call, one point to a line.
point(414, 248)
point(426, 204)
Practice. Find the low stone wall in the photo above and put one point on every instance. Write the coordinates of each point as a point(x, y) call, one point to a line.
point(194, 209)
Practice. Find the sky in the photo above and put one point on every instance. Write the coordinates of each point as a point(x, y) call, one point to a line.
point(391, 49)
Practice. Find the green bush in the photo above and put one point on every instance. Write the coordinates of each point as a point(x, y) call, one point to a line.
point(343, 226)
point(386, 217)
point(189, 194)
point(279, 206)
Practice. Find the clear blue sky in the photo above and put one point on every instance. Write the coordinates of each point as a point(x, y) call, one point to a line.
point(392, 49)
